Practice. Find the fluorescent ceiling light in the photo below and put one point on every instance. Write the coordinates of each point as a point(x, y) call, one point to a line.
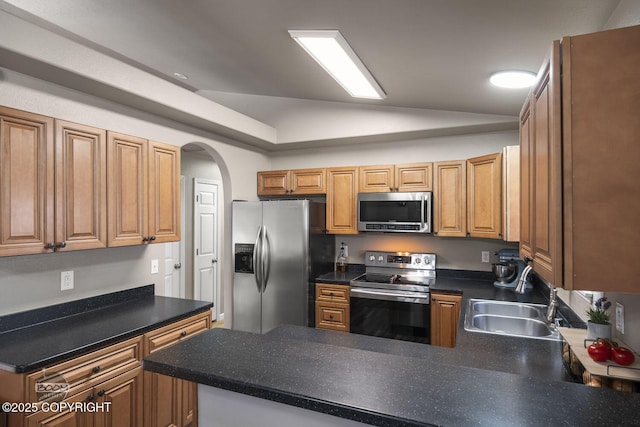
point(513, 79)
point(334, 54)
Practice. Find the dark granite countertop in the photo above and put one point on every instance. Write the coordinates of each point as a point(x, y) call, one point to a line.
point(33, 339)
point(383, 388)
point(485, 380)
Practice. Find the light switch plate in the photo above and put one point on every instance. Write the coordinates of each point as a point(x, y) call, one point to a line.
point(620, 318)
point(154, 266)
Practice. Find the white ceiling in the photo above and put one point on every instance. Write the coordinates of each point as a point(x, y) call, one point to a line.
point(426, 54)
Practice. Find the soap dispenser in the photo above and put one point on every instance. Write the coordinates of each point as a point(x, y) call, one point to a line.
point(341, 260)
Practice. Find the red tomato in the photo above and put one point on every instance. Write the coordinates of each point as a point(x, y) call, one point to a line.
point(623, 356)
point(600, 350)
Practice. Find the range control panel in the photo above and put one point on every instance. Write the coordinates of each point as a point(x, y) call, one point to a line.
point(400, 260)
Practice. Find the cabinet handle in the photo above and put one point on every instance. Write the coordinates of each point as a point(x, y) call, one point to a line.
point(95, 369)
point(91, 398)
point(527, 259)
point(331, 317)
point(152, 238)
point(62, 245)
point(183, 334)
point(145, 239)
point(50, 246)
point(433, 299)
point(101, 393)
point(177, 266)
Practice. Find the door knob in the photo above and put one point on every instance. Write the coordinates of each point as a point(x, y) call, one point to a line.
point(177, 266)
point(213, 261)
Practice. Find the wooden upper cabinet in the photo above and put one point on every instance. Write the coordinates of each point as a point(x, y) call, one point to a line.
point(414, 177)
point(127, 157)
point(295, 181)
point(450, 198)
point(600, 153)
point(526, 175)
point(403, 178)
point(484, 196)
point(545, 171)
point(511, 193)
point(81, 187)
point(143, 191)
point(26, 182)
point(164, 192)
point(342, 193)
point(376, 179)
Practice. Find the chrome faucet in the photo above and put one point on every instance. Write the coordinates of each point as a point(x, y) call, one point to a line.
point(553, 305)
point(522, 281)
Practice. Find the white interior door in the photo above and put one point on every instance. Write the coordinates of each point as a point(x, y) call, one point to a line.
point(205, 242)
point(174, 257)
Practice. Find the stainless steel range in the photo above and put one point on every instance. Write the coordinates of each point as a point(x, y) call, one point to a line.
point(391, 299)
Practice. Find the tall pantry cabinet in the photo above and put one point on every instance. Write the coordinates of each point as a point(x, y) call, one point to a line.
point(580, 180)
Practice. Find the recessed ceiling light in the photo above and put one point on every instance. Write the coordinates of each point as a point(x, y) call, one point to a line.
point(330, 49)
point(180, 76)
point(513, 79)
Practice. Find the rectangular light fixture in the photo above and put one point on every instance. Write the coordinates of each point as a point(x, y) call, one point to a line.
point(334, 54)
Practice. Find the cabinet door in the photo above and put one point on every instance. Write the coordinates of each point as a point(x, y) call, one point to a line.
point(189, 411)
point(124, 396)
point(164, 193)
point(376, 179)
point(450, 198)
point(273, 183)
point(127, 190)
point(342, 193)
point(526, 178)
point(66, 418)
point(445, 315)
point(511, 193)
point(414, 177)
point(484, 196)
point(308, 181)
point(26, 182)
point(81, 187)
point(547, 167)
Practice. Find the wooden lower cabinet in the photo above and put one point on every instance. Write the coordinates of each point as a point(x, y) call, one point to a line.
point(332, 307)
point(112, 378)
point(445, 315)
point(171, 401)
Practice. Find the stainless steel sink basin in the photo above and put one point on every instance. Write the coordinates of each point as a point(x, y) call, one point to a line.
point(508, 318)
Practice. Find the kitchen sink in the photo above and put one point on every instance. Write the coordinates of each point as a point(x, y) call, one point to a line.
point(509, 318)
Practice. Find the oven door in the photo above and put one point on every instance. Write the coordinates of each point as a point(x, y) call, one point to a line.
point(390, 314)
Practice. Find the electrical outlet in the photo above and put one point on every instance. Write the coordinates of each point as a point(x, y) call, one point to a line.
point(154, 266)
point(620, 318)
point(485, 256)
point(66, 280)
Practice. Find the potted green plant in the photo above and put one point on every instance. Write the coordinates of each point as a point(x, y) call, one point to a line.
point(598, 325)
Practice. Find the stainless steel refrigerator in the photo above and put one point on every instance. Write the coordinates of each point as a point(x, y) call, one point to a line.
point(279, 247)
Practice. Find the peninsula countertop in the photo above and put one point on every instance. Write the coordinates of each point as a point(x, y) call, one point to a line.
point(485, 380)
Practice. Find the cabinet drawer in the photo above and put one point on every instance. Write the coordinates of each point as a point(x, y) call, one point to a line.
point(332, 293)
point(90, 369)
point(175, 332)
point(332, 316)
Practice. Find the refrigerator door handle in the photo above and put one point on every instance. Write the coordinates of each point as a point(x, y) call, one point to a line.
point(266, 258)
point(257, 264)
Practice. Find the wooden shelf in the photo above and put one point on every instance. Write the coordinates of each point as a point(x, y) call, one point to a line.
point(577, 340)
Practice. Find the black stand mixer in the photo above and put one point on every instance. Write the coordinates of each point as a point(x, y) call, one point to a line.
point(508, 270)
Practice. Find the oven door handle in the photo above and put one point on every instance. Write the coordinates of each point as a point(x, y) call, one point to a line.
point(410, 297)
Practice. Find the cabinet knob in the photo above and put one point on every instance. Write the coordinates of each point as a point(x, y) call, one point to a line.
point(331, 316)
point(145, 239)
point(177, 266)
point(91, 398)
point(62, 245)
point(152, 238)
point(95, 369)
point(101, 393)
point(527, 259)
point(50, 246)
point(183, 334)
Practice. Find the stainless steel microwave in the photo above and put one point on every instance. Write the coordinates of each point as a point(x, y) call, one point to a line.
point(395, 212)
